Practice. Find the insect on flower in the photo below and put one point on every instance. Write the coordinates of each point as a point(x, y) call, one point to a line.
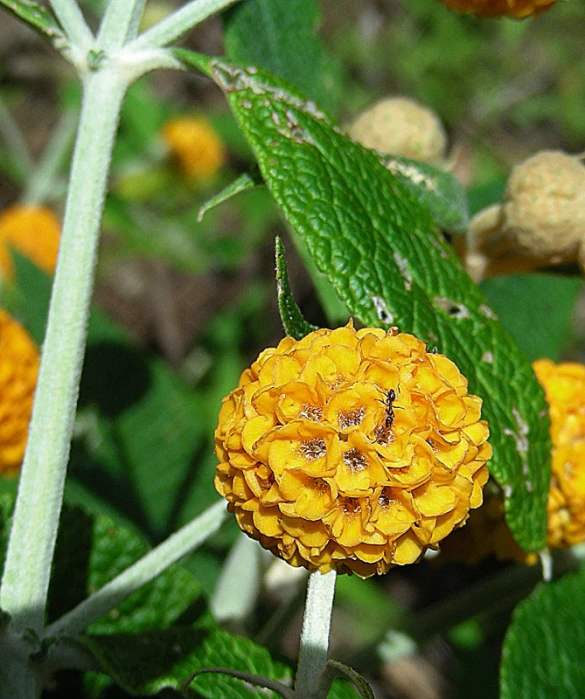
point(383, 433)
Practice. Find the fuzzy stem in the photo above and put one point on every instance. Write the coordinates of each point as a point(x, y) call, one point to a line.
point(120, 23)
point(179, 22)
point(182, 542)
point(315, 634)
point(36, 517)
point(73, 22)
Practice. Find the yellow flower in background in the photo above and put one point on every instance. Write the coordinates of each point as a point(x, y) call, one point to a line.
point(19, 365)
point(196, 147)
point(34, 231)
point(564, 385)
point(486, 531)
point(500, 8)
point(351, 450)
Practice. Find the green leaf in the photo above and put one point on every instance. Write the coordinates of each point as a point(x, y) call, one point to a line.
point(545, 643)
point(284, 42)
point(157, 660)
point(380, 250)
point(40, 19)
point(244, 182)
point(292, 319)
point(521, 303)
point(442, 194)
point(147, 663)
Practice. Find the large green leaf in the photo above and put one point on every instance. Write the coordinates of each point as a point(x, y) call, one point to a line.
point(379, 248)
point(545, 644)
point(284, 42)
point(148, 663)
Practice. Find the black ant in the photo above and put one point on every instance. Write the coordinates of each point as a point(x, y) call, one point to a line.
point(384, 432)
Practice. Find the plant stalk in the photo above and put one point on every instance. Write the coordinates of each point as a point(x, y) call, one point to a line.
point(182, 542)
point(23, 593)
point(73, 22)
point(178, 23)
point(315, 634)
point(120, 23)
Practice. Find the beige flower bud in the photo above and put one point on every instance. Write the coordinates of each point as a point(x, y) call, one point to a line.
point(541, 221)
point(401, 126)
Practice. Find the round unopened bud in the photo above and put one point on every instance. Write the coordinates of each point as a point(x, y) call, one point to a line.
point(541, 221)
point(544, 207)
point(401, 126)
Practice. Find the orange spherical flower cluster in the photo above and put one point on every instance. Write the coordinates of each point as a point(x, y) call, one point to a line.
point(564, 385)
point(195, 146)
point(351, 450)
point(34, 231)
point(517, 9)
point(19, 366)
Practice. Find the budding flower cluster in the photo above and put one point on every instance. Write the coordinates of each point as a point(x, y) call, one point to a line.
point(351, 450)
point(404, 127)
point(540, 222)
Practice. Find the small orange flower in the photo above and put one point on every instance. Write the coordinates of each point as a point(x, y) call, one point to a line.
point(19, 365)
point(351, 450)
point(34, 231)
point(196, 147)
point(500, 8)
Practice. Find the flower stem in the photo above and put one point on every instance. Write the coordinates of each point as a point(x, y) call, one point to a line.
point(315, 634)
point(143, 571)
point(36, 517)
point(179, 22)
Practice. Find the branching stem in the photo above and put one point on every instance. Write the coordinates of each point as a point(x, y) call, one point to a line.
point(179, 22)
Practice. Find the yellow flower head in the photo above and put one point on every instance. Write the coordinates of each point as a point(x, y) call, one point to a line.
point(351, 450)
point(19, 365)
point(196, 147)
point(564, 385)
point(500, 8)
point(34, 231)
